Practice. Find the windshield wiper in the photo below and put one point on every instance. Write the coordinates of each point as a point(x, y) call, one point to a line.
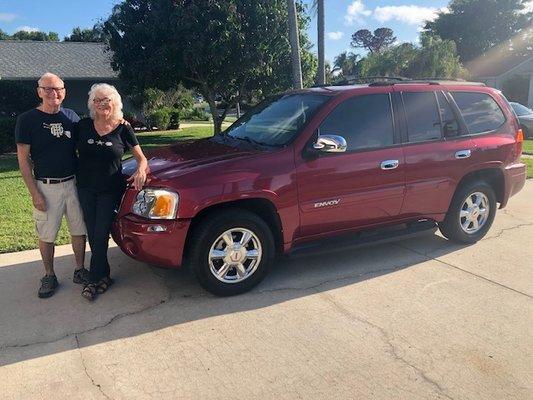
point(253, 142)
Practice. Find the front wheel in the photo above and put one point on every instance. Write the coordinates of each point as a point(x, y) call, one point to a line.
point(231, 251)
point(471, 213)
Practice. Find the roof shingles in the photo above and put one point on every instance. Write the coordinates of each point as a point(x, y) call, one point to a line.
point(70, 60)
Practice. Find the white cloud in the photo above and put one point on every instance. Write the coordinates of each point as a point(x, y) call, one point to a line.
point(27, 29)
point(411, 14)
point(7, 17)
point(529, 7)
point(356, 11)
point(335, 35)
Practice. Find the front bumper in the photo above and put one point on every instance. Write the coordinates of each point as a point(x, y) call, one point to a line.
point(136, 238)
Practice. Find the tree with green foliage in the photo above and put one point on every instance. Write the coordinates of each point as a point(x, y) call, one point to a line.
point(3, 35)
point(296, 63)
point(318, 5)
point(96, 34)
point(373, 42)
point(478, 25)
point(229, 48)
point(36, 36)
point(434, 58)
point(347, 63)
point(150, 99)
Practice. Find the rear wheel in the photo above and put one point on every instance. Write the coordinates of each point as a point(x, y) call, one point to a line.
point(471, 213)
point(231, 251)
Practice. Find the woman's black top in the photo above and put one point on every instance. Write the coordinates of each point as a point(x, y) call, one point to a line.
point(100, 157)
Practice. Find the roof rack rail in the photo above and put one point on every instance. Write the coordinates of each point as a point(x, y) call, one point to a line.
point(398, 80)
point(446, 82)
point(361, 80)
point(431, 81)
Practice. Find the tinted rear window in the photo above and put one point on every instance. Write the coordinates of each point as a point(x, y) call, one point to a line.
point(480, 112)
point(423, 121)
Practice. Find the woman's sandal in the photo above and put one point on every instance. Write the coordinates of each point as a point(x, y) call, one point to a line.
point(89, 291)
point(104, 284)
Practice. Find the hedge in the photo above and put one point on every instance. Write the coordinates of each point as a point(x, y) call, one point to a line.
point(7, 134)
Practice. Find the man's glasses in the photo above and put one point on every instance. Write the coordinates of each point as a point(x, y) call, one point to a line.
point(104, 101)
point(50, 90)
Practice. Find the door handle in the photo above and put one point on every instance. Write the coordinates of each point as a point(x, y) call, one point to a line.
point(390, 164)
point(463, 154)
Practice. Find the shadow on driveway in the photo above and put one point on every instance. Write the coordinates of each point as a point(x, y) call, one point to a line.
point(146, 299)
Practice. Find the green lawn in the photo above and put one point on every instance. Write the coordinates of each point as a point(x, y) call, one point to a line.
point(16, 223)
point(17, 230)
point(528, 147)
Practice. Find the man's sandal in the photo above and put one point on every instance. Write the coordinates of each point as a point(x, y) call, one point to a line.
point(89, 291)
point(104, 284)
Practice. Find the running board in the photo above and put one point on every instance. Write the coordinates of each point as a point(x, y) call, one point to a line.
point(363, 238)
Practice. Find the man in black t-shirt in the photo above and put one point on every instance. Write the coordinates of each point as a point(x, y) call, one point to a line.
point(47, 161)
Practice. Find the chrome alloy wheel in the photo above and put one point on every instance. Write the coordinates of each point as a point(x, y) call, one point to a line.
point(474, 212)
point(235, 255)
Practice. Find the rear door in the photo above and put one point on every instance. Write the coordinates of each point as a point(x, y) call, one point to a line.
point(437, 151)
point(364, 185)
point(488, 127)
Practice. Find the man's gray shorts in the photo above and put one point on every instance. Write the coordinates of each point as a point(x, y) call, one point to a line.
point(61, 199)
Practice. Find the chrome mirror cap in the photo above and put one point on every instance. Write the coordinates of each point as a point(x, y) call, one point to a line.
point(330, 144)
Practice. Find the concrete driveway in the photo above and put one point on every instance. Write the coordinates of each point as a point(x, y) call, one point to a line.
point(418, 319)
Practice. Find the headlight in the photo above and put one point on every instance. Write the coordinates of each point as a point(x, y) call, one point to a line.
point(156, 204)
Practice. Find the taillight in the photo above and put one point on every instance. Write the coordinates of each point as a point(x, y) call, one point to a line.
point(519, 143)
point(520, 136)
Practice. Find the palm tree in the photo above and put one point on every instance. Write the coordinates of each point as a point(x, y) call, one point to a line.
point(347, 63)
point(295, 45)
point(321, 21)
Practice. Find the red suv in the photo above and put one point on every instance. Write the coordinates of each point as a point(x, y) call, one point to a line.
point(326, 168)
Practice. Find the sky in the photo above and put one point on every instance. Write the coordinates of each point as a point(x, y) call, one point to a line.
point(343, 17)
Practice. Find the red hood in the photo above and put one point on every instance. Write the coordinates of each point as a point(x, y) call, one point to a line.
point(186, 155)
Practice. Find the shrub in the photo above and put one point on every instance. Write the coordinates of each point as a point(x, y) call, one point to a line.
point(160, 118)
point(7, 134)
point(17, 97)
point(133, 120)
point(196, 114)
point(174, 118)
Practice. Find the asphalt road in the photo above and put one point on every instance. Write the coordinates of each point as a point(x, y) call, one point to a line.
point(418, 319)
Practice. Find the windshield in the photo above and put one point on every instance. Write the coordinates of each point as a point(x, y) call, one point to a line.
point(276, 121)
point(519, 109)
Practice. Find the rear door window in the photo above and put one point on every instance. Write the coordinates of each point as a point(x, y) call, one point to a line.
point(364, 121)
point(480, 112)
point(423, 120)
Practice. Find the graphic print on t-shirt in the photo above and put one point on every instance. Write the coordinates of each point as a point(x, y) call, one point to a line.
point(99, 142)
point(57, 130)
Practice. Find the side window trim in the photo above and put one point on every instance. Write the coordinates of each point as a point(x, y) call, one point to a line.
point(393, 119)
point(400, 125)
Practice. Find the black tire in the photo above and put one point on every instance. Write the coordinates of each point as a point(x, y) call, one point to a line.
point(451, 226)
point(205, 236)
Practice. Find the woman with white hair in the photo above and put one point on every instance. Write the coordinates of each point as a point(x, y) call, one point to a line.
point(101, 142)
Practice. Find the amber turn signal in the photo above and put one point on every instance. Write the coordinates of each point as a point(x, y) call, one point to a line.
point(519, 136)
point(164, 205)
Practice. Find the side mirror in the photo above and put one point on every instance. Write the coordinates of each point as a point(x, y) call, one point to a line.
point(330, 144)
